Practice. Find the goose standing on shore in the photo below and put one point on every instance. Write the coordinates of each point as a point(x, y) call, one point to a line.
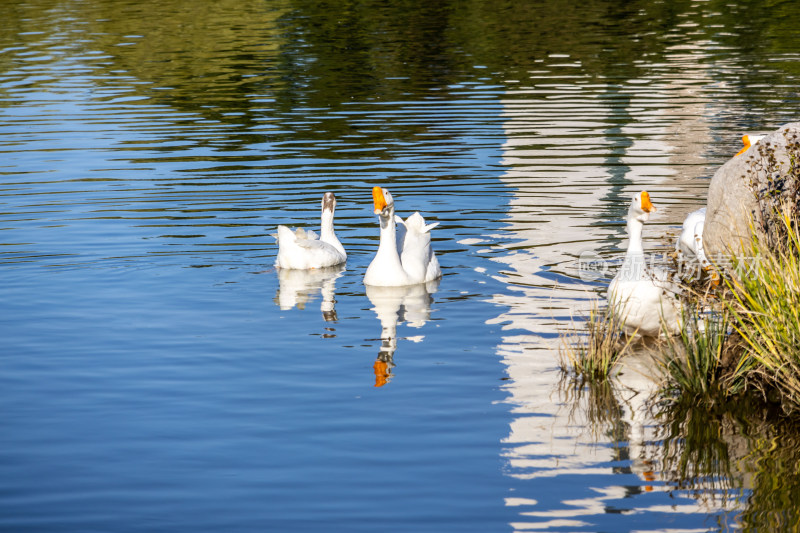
point(642, 297)
point(303, 249)
point(404, 257)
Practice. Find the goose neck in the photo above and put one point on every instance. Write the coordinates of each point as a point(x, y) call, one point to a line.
point(635, 237)
point(326, 225)
point(388, 229)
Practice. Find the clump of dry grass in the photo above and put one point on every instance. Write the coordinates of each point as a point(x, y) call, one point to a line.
point(590, 355)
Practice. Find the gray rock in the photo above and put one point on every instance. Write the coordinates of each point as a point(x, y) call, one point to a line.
point(746, 190)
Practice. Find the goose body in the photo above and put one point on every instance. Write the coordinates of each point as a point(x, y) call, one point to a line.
point(640, 296)
point(690, 242)
point(417, 255)
point(404, 257)
point(303, 249)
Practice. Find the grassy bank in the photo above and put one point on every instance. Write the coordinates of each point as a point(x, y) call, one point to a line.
point(764, 304)
point(728, 404)
point(744, 340)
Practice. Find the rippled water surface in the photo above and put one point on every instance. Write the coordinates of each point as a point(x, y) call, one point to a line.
point(158, 374)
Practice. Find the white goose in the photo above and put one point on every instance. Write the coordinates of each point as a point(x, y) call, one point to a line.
point(405, 257)
point(749, 140)
point(642, 298)
point(303, 249)
point(690, 242)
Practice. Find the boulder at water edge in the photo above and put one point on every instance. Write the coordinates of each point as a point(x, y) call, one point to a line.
point(747, 188)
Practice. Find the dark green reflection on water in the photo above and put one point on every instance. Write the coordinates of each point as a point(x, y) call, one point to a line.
point(720, 449)
point(255, 57)
point(739, 456)
point(773, 503)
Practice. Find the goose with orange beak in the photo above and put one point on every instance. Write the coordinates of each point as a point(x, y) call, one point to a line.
point(641, 297)
point(405, 255)
point(748, 141)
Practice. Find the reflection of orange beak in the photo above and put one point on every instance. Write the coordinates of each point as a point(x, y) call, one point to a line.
point(649, 476)
point(647, 205)
point(746, 141)
point(381, 369)
point(378, 199)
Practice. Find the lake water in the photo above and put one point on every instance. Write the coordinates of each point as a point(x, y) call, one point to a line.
point(158, 374)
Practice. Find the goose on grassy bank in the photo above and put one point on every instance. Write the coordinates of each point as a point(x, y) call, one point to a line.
point(641, 296)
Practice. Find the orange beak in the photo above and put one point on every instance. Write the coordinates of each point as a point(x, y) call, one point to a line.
point(746, 141)
point(378, 199)
point(647, 205)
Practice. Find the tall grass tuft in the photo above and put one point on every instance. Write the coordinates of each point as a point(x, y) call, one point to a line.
point(591, 356)
point(696, 361)
point(765, 308)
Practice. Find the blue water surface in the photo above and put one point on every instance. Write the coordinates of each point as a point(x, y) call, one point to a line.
point(158, 373)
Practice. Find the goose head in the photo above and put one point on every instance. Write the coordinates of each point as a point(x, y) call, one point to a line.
point(748, 140)
point(329, 202)
point(641, 207)
point(384, 204)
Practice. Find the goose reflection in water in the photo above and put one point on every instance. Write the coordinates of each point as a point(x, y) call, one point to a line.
point(394, 305)
point(299, 287)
